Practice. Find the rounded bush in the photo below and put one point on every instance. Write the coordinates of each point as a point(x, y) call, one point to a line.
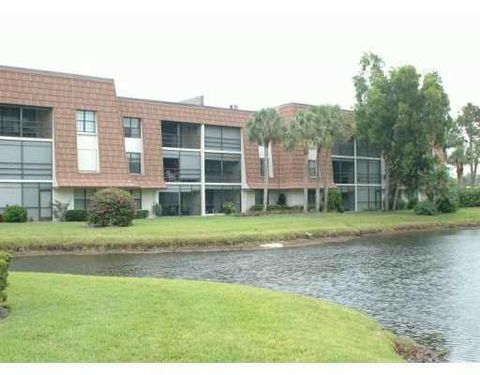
point(111, 207)
point(15, 214)
point(229, 208)
point(425, 208)
point(448, 203)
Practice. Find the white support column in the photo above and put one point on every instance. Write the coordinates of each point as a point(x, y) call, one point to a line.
point(355, 172)
point(202, 170)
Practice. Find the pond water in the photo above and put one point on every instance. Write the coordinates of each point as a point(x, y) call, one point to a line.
point(424, 285)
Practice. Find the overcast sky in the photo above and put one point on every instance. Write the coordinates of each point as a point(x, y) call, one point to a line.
point(251, 53)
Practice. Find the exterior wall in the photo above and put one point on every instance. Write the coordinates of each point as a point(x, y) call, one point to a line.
point(64, 94)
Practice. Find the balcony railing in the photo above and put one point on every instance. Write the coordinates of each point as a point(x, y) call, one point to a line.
point(181, 175)
point(25, 128)
point(184, 141)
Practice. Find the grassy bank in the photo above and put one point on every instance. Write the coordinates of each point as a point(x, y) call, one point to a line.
point(68, 318)
point(181, 232)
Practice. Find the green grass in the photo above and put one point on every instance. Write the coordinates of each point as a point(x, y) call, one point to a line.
point(218, 231)
point(65, 318)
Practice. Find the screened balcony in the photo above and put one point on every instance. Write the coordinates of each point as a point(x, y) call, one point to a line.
point(180, 135)
point(25, 122)
point(181, 166)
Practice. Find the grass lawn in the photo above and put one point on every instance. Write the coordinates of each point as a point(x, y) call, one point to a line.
point(217, 230)
point(65, 318)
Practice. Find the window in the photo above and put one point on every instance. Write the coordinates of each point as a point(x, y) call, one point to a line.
point(25, 122)
point(36, 198)
point(132, 127)
point(262, 167)
point(137, 197)
point(312, 168)
point(368, 171)
point(25, 160)
point(135, 162)
point(258, 197)
point(180, 200)
point(369, 198)
point(343, 171)
point(86, 122)
point(181, 166)
point(222, 138)
point(180, 135)
point(223, 168)
point(82, 198)
point(344, 149)
point(364, 149)
point(217, 196)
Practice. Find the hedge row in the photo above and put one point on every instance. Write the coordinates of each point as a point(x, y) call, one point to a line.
point(5, 259)
point(469, 197)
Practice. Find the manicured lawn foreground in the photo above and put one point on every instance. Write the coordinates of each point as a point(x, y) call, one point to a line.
point(69, 318)
point(218, 231)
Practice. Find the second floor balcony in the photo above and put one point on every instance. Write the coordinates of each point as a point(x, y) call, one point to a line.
point(23, 122)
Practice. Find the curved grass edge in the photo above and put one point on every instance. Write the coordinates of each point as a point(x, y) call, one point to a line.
point(234, 242)
point(117, 319)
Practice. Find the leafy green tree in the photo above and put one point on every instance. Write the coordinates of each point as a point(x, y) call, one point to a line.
point(265, 128)
point(468, 123)
point(404, 117)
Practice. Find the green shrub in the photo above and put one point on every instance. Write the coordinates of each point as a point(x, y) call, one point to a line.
point(142, 214)
point(469, 197)
point(425, 208)
point(335, 200)
point(76, 215)
point(15, 214)
point(113, 207)
point(229, 208)
point(412, 202)
point(1, 218)
point(5, 259)
point(447, 203)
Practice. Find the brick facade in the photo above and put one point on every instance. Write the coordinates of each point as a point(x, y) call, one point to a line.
point(66, 93)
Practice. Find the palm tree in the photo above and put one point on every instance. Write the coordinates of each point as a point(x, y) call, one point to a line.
point(265, 128)
point(301, 134)
point(318, 128)
point(458, 159)
point(331, 127)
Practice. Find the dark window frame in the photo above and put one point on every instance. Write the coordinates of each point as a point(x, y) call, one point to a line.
point(132, 127)
point(134, 162)
point(82, 123)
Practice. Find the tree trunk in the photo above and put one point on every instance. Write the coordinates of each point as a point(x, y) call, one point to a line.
point(265, 177)
point(386, 197)
point(305, 184)
point(317, 185)
point(325, 181)
point(460, 173)
point(474, 173)
point(395, 197)
point(305, 199)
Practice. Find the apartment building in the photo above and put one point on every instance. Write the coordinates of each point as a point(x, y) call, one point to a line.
point(64, 136)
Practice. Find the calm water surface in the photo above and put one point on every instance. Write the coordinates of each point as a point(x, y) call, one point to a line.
point(423, 285)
